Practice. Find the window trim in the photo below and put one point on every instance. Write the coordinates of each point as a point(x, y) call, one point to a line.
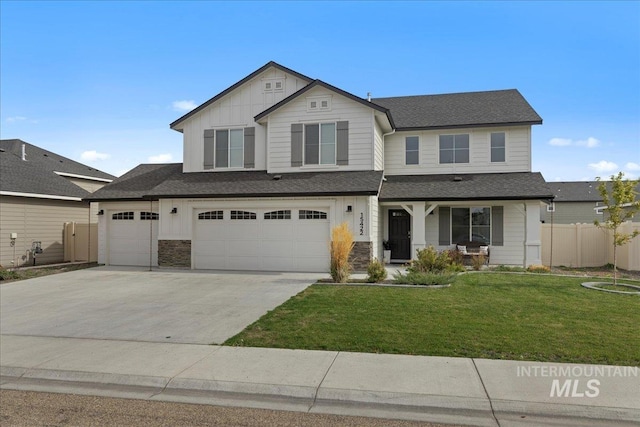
point(406, 151)
point(123, 216)
point(242, 215)
point(211, 215)
point(215, 148)
point(551, 207)
point(335, 143)
point(315, 103)
point(311, 214)
point(470, 235)
point(154, 216)
point(491, 147)
point(278, 214)
point(454, 149)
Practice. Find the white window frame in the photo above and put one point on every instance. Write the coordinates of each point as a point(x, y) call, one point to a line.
point(504, 147)
point(454, 149)
point(335, 143)
point(271, 85)
point(551, 207)
point(406, 150)
point(470, 235)
point(317, 103)
point(215, 149)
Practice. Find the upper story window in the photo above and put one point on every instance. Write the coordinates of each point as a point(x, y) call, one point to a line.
point(498, 147)
point(412, 150)
point(551, 207)
point(229, 148)
point(274, 85)
point(454, 148)
point(320, 144)
point(319, 103)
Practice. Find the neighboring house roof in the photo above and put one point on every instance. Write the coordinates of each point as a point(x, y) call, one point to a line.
point(320, 83)
point(451, 187)
point(454, 110)
point(578, 191)
point(238, 84)
point(42, 173)
point(168, 181)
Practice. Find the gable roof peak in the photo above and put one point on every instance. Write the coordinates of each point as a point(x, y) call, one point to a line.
point(231, 88)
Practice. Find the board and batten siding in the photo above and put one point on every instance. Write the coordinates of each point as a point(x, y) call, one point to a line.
point(236, 110)
point(36, 220)
point(378, 146)
point(88, 185)
point(518, 152)
point(342, 109)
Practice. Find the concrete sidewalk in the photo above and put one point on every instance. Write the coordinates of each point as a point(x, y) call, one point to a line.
point(437, 389)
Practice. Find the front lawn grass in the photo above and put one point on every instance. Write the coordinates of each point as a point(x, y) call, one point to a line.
point(485, 315)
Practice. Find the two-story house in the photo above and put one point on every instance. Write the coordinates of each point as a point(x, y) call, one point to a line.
point(272, 163)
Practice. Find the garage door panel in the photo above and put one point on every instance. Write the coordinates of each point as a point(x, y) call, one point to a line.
point(276, 230)
point(261, 244)
point(131, 240)
point(243, 248)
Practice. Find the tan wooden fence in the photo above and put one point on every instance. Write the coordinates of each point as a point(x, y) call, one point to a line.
point(79, 243)
point(585, 245)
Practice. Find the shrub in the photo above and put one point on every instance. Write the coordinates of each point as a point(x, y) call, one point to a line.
point(341, 246)
point(420, 278)
point(7, 274)
point(456, 258)
point(477, 261)
point(429, 260)
point(376, 272)
point(538, 269)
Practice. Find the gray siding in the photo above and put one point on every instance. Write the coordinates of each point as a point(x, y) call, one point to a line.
point(571, 213)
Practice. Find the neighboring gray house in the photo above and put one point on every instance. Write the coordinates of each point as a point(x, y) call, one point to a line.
point(575, 202)
point(39, 192)
point(272, 163)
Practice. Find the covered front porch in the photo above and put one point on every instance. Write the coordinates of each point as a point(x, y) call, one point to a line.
point(511, 229)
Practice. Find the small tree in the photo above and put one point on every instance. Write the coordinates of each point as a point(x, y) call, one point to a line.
point(341, 246)
point(621, 204)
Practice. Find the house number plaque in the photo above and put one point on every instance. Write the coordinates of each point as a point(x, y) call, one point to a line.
point(361, 223)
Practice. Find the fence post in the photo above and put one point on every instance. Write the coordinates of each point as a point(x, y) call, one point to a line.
point(578, 245)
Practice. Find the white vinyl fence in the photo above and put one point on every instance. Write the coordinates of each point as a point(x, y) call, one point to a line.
point(585, 245)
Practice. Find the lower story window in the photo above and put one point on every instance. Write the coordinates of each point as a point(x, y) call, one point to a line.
point(122, 216)
point(149, 216)
point(209, 215)
point(286, 214)
point(471, 224)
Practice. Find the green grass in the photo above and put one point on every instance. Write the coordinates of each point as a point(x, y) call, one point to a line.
point(7, 276)
point(486, 315)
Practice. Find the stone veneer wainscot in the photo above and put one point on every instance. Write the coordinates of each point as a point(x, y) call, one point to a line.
point(174, 253)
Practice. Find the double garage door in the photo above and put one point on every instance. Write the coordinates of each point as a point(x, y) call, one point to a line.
point(133, 238)
point(261, 239)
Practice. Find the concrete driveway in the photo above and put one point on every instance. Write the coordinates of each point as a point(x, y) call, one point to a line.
point(131, 304)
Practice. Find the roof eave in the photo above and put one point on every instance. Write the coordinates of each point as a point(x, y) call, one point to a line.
point(231, 88)
point(265, 195)
point(462, 199)
point(469, 125)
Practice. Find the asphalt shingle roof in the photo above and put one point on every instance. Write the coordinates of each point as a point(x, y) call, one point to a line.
point(36, 174)
point(452, 110)
point(168, 181)
point(488, 186)
point(578, 191)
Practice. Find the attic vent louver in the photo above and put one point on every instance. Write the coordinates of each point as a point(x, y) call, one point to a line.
point(457, 178)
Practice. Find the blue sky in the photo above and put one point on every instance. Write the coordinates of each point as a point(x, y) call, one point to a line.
point(99, 82)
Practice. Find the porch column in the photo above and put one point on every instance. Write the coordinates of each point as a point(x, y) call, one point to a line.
point(533, 243)
point(417, 228)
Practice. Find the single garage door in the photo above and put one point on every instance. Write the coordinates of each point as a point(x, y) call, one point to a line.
point(262, 239)
point(132, 235)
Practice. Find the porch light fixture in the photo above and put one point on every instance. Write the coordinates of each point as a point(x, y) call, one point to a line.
point(100, 212)
point(174, 210)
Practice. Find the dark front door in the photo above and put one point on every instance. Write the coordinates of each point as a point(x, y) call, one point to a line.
point(400, 234)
